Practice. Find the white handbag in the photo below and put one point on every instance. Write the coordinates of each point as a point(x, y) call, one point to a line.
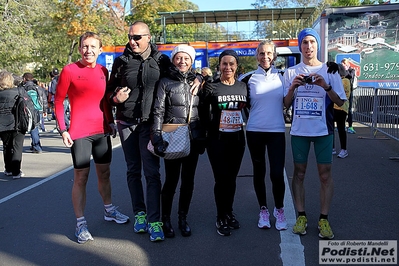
point(178, 137)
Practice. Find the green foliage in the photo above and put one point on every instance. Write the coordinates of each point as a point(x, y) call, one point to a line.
point(346, 3)
point(18, 38)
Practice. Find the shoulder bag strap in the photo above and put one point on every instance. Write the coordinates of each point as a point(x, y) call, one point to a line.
point(190, 109)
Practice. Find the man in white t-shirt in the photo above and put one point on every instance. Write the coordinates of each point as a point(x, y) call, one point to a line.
point(312, 92)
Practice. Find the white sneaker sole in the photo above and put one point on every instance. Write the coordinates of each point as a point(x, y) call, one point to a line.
point(110, 219)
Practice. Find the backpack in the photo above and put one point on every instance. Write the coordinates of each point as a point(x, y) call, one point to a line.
point(23, 111)
point(36, 99)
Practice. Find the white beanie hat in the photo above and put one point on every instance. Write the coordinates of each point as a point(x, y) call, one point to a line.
point(183, 48)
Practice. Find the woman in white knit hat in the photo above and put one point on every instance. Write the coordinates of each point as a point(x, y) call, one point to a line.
point(171, 106)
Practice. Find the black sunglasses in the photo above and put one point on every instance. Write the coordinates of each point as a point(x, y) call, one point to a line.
point(136, 37)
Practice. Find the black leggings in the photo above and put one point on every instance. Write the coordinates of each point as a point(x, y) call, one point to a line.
point(225, 155)
point(184, 167)
point(339, 118)
point(275, 143)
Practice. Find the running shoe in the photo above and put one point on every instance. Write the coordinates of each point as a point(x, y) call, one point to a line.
point(325, 229)
point(7, 173)
point(232, 221)
point(140, 222)
point(82, 233)
point(116, 216)
point(222, 227)
point(21, 174)
point(351, 130)
point(334, 152)
point(343, 154)
point(264, 218)
point(300, 225)
point(281, 222)
point(155, 231)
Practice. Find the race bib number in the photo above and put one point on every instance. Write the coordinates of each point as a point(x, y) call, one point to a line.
point(230, 121)
point(309, 107)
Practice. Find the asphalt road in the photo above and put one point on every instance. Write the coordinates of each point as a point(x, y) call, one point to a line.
point(37, 223)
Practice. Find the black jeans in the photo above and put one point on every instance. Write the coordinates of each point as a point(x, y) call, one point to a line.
point(225, 155)
point(275, 143)
point(13, 143)
point(350, 119)
point(134, 140)
point(174, 169)
point(339, 118)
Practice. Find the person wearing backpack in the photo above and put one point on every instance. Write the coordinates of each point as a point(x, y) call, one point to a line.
point(38, 96)
point(13, 140)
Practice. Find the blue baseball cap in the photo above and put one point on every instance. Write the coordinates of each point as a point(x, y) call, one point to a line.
point(306, 32)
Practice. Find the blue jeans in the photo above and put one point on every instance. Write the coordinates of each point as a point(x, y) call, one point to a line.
point(42, 122)
point(35, 144)
point(134, 140)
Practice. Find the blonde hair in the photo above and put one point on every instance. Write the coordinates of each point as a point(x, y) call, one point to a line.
point(6, 80)
point(207, 70)
point(267, 42)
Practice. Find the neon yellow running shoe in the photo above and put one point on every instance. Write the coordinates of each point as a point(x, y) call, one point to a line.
point(325, 229)
point(300, 225)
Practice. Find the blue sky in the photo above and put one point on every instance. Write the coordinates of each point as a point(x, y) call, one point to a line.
point(210, 5)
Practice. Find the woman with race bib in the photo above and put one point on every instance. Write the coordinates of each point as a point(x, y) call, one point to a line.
point(222, 102)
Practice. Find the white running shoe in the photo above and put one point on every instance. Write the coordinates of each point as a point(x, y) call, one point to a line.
point(281, 222)
point(264, 218)
point(343, 154)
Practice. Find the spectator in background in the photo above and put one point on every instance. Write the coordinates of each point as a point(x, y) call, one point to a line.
point(216, 74)
point(13, 140)
point(43, 98)
point(340, 113)
point(206, 73)
point(52, 88)
point(38, 97)
point(85, 82)
point(351, 75)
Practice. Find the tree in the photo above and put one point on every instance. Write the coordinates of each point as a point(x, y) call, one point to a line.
point(74, 17)
point(19, 42)
point(283, 29)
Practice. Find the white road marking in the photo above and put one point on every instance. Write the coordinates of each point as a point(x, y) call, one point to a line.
point(292, 250)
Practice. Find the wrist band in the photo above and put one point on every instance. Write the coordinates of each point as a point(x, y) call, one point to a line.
point(329, 88)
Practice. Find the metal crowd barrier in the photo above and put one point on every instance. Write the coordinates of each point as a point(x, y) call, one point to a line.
point(377, 108)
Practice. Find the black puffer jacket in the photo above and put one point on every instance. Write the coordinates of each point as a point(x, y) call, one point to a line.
point(7, 102)
point(141, 76)
point(172, 103)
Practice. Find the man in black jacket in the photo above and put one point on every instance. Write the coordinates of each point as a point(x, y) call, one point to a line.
point(131, 89)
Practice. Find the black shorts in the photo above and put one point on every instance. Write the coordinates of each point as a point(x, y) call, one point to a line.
point(97, 145)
